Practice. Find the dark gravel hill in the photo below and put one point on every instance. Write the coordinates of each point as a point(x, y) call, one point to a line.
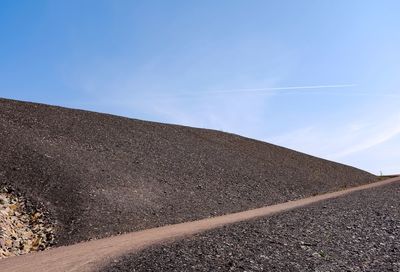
point(358, 232)
point(99, 174)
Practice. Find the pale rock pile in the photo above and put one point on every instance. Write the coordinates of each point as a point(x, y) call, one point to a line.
point(21, 231)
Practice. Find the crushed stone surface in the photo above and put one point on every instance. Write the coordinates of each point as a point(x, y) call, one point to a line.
point(22, 230)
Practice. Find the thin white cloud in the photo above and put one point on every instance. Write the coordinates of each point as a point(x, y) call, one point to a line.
point(379, 134)
point(356, 142)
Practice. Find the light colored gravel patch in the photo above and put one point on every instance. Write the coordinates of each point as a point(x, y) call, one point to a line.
point(21, 231)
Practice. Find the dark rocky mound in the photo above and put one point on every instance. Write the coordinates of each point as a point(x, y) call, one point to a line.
point(99, 174)
point(358, 232)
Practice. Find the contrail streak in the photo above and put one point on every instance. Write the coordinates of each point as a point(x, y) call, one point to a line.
point(260, 90)
point(281, 88)
point(287, 90)
point(268, 89)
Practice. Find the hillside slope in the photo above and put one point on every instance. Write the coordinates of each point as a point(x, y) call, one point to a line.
point(99, 174)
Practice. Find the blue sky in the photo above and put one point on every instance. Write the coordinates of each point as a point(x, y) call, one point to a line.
point(220, 64)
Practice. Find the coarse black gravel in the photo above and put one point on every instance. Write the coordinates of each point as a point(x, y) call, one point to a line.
point(99, 175)
point(357, 232)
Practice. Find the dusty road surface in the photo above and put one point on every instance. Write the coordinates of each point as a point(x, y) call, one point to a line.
point(89, 256)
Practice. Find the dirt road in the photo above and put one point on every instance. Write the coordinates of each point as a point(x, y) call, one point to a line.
point(89, 256)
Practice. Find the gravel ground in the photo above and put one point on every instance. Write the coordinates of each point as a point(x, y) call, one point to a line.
point(358, 232)
point(99, 175)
